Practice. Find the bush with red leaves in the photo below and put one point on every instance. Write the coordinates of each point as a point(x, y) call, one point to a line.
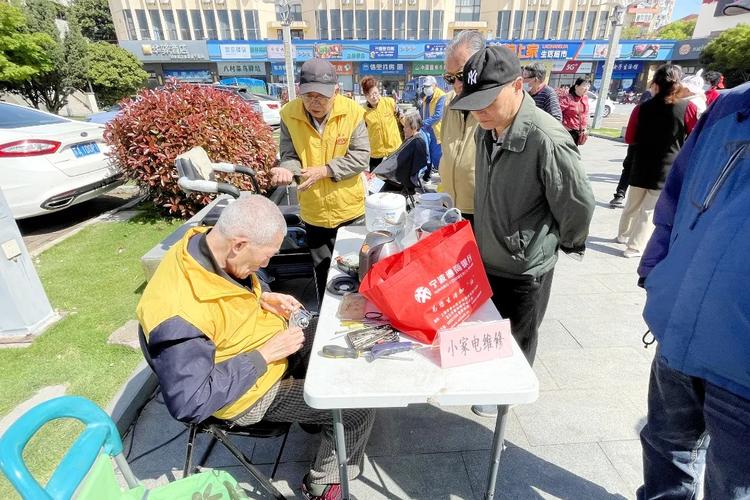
point(156, 126)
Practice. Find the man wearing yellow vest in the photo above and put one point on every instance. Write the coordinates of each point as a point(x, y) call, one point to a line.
point(221, 345)
point(324, 141)
point(432, 114)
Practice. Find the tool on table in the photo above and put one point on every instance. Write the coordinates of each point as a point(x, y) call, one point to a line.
point(336, 351)
point(364, 338)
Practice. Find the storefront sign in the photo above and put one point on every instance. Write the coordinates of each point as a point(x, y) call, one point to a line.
point(328, 50)
point(540, 50)
point(434, 50)
point(383, 51)
point(382, 68)
point(356, 53)
point(427, 68)
point(236, 51)
point(343, 68)
point(689, 50)
point(167, 51)
point(658, 50)
point(279, 69)
point(623, 70)
point(190, 75)
point(277, 51)
point(241, 69)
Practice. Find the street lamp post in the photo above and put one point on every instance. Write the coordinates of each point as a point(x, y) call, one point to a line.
point(285, 12)
point(618, 13)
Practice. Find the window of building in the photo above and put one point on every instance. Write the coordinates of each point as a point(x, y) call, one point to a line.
point(603, 25)
point(554, 23)
point(321, 17)
point(140, 16)
point(252, 25)
point(590, 25)
point(361, 18)
point(530, 20)
point(411, 24)
point(503, 24)
point(578, 27)
point(348, 23)
point(517, 20)
point(335, 24)
point(224, 33)
point(374, 22)
point(541, 24)
point(169, 26)
point(467, 10)
point(130, 25)
point(437, 25)
point(156, 24)
point(565, 29)
point(386, 29)
point(424, 24)
point(400, 24)
point(198, 32)
point(643, 18)
point(211, 32)
point(237, 25)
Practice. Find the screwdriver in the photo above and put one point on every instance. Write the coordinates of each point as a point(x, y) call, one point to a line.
point(336, 351)
point(377, 351)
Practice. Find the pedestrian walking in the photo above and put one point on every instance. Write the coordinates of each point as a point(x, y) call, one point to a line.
point(575, 110)
point(534, 76)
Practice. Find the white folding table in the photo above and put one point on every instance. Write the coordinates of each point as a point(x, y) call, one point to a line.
point(336, 384)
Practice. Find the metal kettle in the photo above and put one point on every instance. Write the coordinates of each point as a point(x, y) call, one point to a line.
point(377, 246)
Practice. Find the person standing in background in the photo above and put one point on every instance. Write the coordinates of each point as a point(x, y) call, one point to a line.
point(714, 82)
point(381, 120)
point(458, 127)
point(432, 113)
point(575, 109)
point(544, 97)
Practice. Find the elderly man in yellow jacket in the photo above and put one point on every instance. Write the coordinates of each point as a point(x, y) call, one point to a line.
point(324, 142)
point(458, 127)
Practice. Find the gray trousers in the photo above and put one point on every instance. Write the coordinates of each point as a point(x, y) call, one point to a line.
point(285, 403)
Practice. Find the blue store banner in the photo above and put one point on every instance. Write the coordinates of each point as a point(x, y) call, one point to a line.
point(383, 51)
point(356, 53)
point(657, 50)
point(622, 70)
point(279, 69)
point(382, 68)
point(434, 50)
point(190, 75)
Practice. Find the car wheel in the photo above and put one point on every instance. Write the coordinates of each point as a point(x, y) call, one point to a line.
point(607, 111)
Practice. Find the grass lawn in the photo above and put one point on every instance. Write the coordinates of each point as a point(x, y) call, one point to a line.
point(96, 278)
point(608, 132)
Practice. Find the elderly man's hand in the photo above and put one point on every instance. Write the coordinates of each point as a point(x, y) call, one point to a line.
point(282, 345)
point(312, 175)
point(279, 303)
point(281, 176)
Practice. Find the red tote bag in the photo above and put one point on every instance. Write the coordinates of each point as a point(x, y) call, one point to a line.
point(436, 283)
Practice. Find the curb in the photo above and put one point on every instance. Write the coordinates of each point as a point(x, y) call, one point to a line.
point(37, 251)
point(615, 139)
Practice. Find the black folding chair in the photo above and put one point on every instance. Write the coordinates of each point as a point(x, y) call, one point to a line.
point(220, 430)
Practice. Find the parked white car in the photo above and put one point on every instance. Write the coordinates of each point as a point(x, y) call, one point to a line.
point(270, 108)
point(609, 105)
point(48, 162)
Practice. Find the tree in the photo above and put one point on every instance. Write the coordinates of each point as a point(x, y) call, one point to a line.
point(94, 18)
point(632, 33)
point(678, 30)
point(113, 72)
point(729, 53)
point(66, 55)
point(22, 54)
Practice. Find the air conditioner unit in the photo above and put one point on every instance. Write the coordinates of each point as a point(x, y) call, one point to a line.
point(164, 2)
point(399, 2)
point(206, 1)
point(360, 2)
point(151, 1)
point(412, 2)
point(220, 2)
point(532, 2)
point(546, 2)
point(582, 3)
point(346, 2)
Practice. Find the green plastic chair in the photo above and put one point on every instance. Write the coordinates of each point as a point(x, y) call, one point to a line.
point(88, 468)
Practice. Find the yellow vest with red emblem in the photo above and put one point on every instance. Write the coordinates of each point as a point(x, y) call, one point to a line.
point(382, 128)
point(327, 203)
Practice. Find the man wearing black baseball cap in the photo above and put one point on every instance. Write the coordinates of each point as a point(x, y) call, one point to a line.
point(324, 141)
point(532, 195)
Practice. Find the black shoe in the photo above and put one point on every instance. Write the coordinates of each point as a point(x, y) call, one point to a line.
point(618, 201)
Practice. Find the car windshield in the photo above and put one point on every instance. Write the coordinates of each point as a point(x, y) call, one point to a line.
point(16, 117)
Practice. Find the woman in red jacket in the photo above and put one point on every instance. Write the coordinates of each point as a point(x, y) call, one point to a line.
point(575, 109)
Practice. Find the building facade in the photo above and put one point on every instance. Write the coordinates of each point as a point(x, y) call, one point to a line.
point(360, 19)
point(712, 21)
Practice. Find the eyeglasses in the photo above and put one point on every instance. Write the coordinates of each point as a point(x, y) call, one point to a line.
point(451, 78)
point(318, 99)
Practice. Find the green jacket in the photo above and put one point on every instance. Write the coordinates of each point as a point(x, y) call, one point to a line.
point(532, 196)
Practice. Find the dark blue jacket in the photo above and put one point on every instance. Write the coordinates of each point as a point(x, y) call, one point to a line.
point(697, 263)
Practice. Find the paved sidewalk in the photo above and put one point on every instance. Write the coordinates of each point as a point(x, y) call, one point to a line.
point(578, 441)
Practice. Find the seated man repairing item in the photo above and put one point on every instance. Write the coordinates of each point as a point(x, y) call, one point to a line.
point(219, 343)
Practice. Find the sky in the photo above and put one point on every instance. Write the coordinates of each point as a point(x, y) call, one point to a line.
point(684, 8)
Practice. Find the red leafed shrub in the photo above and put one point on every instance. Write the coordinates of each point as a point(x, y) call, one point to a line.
point(156, 126)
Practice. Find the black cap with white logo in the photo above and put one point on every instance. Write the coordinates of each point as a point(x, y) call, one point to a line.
point(485, 73)
point(318, 75)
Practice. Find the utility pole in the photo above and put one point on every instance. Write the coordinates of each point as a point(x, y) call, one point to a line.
point(618, 14)
point(286, 23)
